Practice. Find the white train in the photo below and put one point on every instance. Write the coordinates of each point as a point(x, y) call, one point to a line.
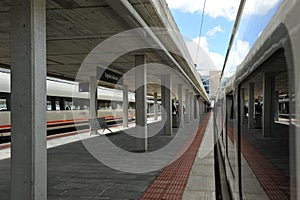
point(65, 107)
point(260, 151)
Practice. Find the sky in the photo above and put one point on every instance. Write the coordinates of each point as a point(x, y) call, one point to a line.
point(219, 16)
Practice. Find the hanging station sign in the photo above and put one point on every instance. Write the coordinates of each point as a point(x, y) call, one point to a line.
point(109, 76)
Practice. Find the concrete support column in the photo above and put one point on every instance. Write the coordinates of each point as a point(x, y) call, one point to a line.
point(199, 106)
point(180, 101)
point(268, 105)
point(140, 102)
point(166, 101)
point(155, 107)
point(93, 104)
point(125, 106)
point(28, 99)
point(242, 105)
point(276, 106)
point(251, 106)
point(191, 106)
point(188, 107)
point(196, 108)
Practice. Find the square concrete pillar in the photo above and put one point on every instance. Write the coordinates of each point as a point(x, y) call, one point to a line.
point(200, 106)
point(268, 104)
point(93, 105)
point(243, 114)
point(166, 102)
point(28, 99)
point(196, 108)
point(251, 106)
point(180, 102)
point(188, 107)
point(191, 106)
point(125, 106)
point(141, 102)
point(276, 106)
point(155, 107)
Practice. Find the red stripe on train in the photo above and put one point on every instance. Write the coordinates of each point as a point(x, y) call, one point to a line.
point(66, 122)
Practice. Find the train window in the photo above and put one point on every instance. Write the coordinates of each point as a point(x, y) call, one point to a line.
point(131, 105)
point(81, 104)
point(281, 99)
point(103, 105)
point(264, 129)
point(3, 104)
point(85, 107)
point(69, 105)
point(114, 105)
point(230, 131)
point(49, 105)
point(57, 107)
point(119, 105)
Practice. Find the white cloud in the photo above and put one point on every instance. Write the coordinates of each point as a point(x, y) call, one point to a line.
point(206, 60)
point(213, 8)
point(238, 53)
point(203, 42)
point(213, 31)
point(259, 7)
point(226, 9)
point(217, 58)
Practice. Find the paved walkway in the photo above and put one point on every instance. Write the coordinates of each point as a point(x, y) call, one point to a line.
point(66, 138)
point(73, 173)
point(201, 183)
point(192, 175)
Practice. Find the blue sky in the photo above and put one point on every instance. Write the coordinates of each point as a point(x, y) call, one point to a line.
point(189, 25)
point(217, 26)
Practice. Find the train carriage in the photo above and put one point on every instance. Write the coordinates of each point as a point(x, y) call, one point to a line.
point(256, 115)
point(67, 107)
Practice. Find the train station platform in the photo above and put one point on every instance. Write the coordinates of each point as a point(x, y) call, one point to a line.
point(73, 173)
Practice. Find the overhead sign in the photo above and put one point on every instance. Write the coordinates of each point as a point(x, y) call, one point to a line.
point(109, 76)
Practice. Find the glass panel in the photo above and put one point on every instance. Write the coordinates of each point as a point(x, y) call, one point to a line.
point(230, 131)
point(69, 105)
point(265, 147)
point(49, 107)
point(57, 107)
point(3, 105)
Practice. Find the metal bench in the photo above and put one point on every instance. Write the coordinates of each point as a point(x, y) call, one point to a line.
point(103, 124)
point(99, 123)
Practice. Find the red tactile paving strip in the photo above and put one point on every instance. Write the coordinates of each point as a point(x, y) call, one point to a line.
point(274, 182)
point(171, 182)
